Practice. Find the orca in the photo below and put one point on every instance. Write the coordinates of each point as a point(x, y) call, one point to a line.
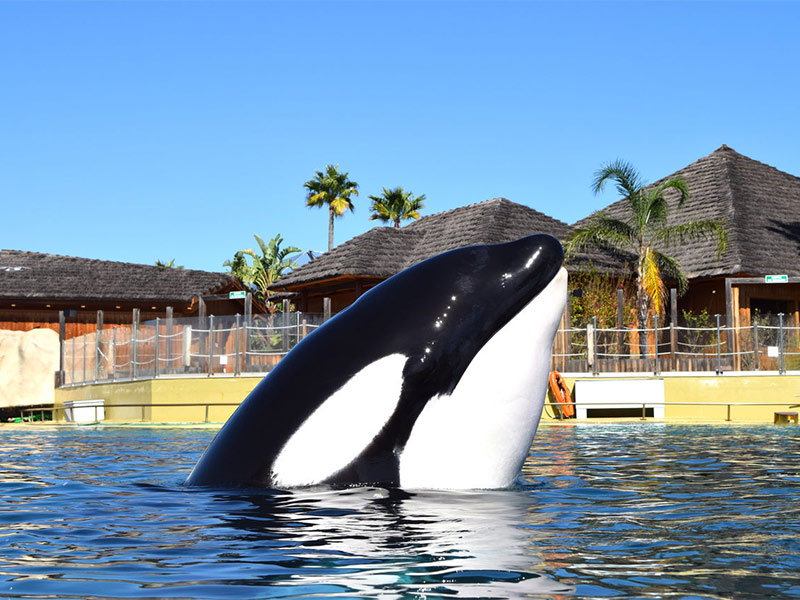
point(433, 379)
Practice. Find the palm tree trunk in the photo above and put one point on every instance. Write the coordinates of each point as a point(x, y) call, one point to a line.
point(641, 301)
point(330, 229)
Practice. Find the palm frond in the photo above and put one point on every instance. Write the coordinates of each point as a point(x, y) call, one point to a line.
point(674, 183)
point(671, 269)
point(694, 230)
point(626, 177)
point(652, 281)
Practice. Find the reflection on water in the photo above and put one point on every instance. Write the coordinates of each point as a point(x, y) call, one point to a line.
point(627, 511)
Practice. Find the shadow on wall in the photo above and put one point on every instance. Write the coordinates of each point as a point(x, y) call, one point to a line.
point(28, 362)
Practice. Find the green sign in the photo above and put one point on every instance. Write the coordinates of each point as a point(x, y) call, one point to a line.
point(776, 279)
point(237, 294)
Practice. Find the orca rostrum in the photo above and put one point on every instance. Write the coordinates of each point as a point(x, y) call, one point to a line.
point(435, 378)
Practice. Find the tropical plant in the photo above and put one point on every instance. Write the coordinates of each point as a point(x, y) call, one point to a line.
point(168, 265)
point(333, 189)
point(266, 268)
point(645, 233)
point(395, 205)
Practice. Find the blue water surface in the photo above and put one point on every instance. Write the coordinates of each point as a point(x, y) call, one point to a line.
point(600, 511)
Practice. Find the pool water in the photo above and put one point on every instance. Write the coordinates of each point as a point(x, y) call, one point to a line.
point(600, 511)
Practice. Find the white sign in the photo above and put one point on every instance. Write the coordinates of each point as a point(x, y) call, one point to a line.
point(237, 294)
point(776, 279)
point(772, 351)
point(223, 359)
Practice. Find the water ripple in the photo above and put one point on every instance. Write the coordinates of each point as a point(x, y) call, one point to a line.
point(617, 511)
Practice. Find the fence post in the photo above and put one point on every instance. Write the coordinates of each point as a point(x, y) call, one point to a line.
point(620, 322)
point(135, 343)
point(155, 364)
point(719, 347)
point(657, 370)
point(84, 359)
point(169, 338)
point(248, 322)
point(114, 362)
point(782, 370)
point(755, 344)
point(326, 309)
point(673, 347)
point(211, 345)
point(237, 370)
point(62, 347)
point(285, 334)
point(595, 366)
point(673, 320)
point(98, 338)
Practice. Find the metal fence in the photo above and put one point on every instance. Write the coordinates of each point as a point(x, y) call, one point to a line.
point(232, 346)
point(769, 346)
point(214, 345)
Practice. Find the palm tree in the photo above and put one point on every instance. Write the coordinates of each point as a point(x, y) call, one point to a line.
point(396, 205)
point(645, 233)
point(334, 189)
point(167, 264)
point(267, 267)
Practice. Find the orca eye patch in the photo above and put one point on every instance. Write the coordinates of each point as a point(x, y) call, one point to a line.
point(343, 425)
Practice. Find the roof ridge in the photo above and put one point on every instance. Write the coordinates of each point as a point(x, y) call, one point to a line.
point(730, 197)
point(102, 260)
point(738, 155)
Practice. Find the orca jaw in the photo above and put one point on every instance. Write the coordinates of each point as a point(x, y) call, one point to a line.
point(478, 436)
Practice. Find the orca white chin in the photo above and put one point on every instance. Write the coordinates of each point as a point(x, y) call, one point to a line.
point(479, 436)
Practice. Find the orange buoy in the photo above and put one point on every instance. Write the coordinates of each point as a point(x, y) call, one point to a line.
point(562, 395)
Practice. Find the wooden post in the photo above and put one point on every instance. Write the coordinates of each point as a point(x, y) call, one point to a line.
point(673, 314)
point(326, 309)
point(248, 323)
point(211, 345)
point(169, 338)
point(62, 339)
point(755, 344)
point(114, 362)
point(285, 332)
point(201, 323)
point(657, 370)
point(98, 339)
point(157, 357)
point(134, 343)
point(620, 325)
point(730, 310)
point(237, 370)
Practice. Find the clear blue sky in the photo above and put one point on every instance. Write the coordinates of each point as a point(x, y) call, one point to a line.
point(141, 130)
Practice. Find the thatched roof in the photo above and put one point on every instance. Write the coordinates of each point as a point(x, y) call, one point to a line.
point(384, 251)
point(758, 204)
point(35, 276)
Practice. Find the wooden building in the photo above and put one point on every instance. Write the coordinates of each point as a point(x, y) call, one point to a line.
point(759, 207)
point(364, 261)
point(35, 288)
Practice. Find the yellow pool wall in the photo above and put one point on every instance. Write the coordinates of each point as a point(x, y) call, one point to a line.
point(716, 390)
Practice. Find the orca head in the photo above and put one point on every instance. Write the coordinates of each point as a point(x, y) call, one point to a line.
point(479, 379)
point(470, 294)
point(472, 331)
